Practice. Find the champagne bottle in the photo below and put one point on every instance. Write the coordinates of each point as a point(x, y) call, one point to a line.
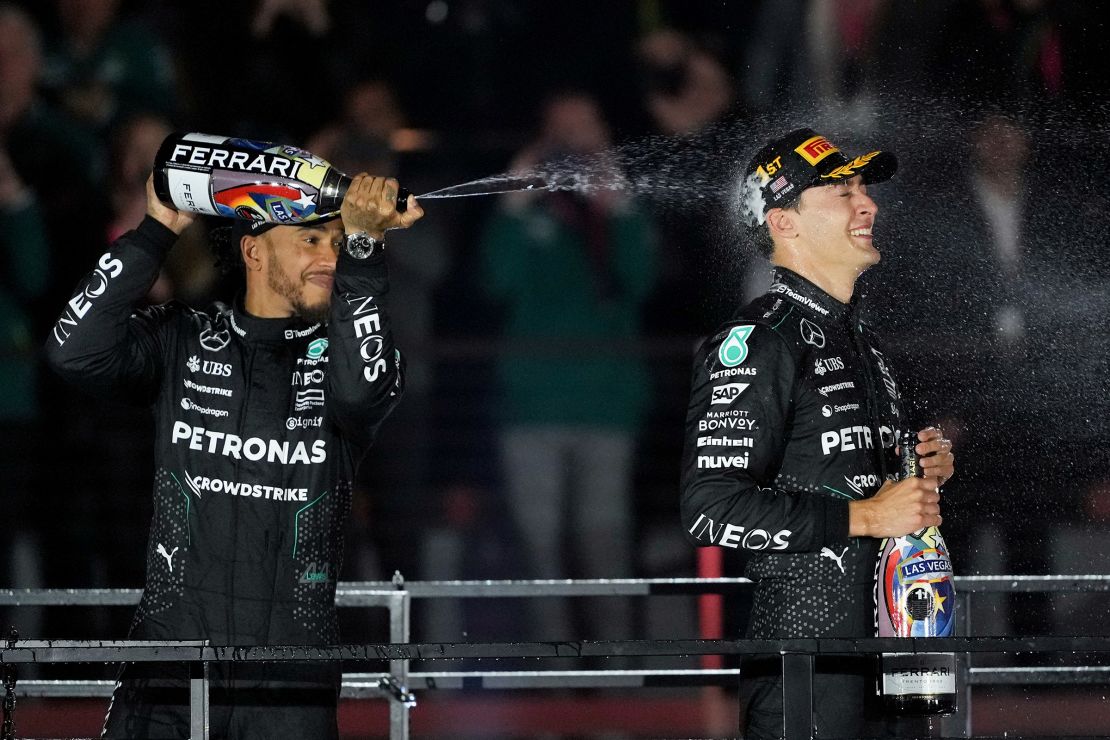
point(242, 178)
point(914, 597)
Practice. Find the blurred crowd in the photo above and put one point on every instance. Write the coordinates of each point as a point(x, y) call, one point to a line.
point(549, 335)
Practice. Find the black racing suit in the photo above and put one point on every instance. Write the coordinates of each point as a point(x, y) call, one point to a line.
point(793, 413)
point(259, 425)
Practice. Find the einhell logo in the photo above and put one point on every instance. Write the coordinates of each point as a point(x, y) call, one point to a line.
point(815, 149)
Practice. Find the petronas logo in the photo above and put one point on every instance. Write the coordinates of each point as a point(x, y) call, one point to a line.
point(734, 350)
point(316, 348)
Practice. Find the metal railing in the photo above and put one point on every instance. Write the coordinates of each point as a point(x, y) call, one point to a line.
point(398, 683)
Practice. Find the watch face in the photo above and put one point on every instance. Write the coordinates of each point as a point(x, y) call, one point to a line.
point(361, 245)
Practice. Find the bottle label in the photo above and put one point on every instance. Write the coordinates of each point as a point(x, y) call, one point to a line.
point(242, 178)
point(918, 674)
point(915, 596)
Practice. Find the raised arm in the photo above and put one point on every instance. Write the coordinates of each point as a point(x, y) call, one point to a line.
point(100, 342)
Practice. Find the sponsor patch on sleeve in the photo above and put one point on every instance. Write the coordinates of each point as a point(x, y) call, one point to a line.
point(734, 350)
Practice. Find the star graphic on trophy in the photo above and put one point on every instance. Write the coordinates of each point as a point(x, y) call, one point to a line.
point(305, 200)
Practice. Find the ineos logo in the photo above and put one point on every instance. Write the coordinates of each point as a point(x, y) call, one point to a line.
point(371, 348)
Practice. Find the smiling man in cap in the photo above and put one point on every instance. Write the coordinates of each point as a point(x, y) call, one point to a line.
point(790, 432)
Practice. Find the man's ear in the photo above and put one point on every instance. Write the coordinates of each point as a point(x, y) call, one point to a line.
point(782, 223)
point(250, 247)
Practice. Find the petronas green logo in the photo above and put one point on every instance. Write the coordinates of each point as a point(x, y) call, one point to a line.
point(734, 350)
point(316, 348)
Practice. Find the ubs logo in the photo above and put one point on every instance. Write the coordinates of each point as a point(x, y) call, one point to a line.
point(208, 367)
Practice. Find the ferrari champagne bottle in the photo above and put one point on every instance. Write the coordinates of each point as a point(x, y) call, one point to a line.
point(243, 178)
point(914, 597)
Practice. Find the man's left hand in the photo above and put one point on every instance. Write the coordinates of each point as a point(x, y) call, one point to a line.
point(371, 206)
point(937, 459)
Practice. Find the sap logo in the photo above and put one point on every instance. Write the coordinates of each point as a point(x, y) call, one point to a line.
point(846, 439)
point(368, 325)
point(735, 461)
point(726, 393)
point(729, 535)
point(824, 365)
point(107, 268)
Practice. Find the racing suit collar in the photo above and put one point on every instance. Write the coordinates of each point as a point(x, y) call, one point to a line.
point(798, 290)
point(252, 328)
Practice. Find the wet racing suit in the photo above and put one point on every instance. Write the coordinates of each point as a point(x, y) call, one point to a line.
point(259, 424)
point(792, 414)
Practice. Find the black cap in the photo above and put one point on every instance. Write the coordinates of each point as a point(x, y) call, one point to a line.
point(782, 169)
point(253, 227)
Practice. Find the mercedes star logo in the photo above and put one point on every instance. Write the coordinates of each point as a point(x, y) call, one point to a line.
point(811, 333)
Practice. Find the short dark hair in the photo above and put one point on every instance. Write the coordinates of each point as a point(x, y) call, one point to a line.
point(760, 234)
point(225, 248)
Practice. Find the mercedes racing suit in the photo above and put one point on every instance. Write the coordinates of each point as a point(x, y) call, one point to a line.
point(259, 425)
point(793, 413)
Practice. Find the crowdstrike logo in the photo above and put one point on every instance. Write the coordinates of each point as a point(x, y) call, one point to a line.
point(825, 390)
point(200, 484)
point(209, 389)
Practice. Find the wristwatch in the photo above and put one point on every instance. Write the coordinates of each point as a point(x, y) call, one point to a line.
point(361, 245)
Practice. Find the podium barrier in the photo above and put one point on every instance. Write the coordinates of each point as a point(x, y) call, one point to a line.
point(397, 683)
